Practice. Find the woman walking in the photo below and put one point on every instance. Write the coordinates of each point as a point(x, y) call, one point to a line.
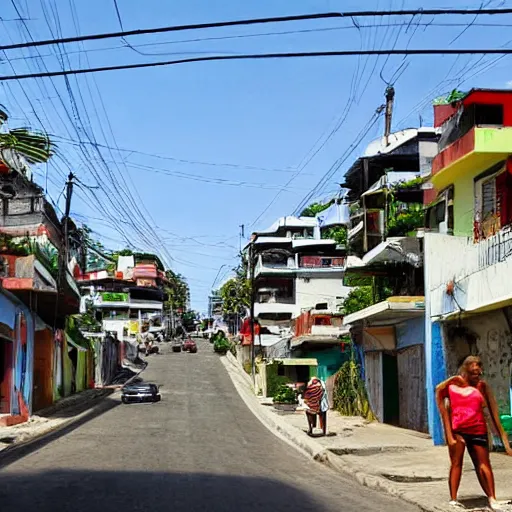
point(315, 397)
point(461, 401)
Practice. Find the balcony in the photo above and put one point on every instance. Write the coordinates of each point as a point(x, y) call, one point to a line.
point(479, 148)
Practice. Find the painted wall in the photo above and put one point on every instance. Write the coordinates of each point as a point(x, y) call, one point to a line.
point(478, 284)
point(318, 290)
point(329, 360)
point(409, 333)
point(493, 345)
point(464, 204)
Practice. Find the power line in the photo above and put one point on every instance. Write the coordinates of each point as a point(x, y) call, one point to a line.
point(256, 21)
point(263, 56)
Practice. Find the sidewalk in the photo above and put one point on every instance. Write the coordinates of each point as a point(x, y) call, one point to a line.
point(59, 415)
point(400, 462)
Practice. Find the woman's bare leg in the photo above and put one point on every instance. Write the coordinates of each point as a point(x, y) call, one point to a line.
point(456, 459)
point(480, 457)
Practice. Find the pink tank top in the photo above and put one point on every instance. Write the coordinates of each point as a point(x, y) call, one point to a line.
point(467, 410)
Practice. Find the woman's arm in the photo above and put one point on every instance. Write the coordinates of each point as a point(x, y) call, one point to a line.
point(441, 395)
point(495, 415)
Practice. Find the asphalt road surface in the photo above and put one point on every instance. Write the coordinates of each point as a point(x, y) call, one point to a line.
point(199, 449)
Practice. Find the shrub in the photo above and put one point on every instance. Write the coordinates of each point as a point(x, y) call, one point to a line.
point(221, 345)
point(350, 398)
point(285, 395)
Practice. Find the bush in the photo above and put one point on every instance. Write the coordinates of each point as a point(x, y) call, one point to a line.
point(221, 345)
point(350, 398)
point(285, 395)
point(274, 383)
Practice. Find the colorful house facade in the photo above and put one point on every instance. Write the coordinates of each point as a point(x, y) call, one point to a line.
point(16, 360)
point(468, 245)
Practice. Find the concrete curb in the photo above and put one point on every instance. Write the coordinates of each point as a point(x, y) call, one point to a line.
point(99, 402)
point(308, 446)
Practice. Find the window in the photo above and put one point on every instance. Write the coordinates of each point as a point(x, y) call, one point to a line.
point(488, 198)
point(488, 115)
point(493, 201)
point(439, 216)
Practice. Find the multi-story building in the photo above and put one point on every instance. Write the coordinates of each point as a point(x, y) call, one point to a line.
point(386, 254)
point(44, 359)
point(127, 298)
point(468, 245)
point(296, 269)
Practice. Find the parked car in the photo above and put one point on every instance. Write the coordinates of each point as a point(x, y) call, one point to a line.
point(190, 346)
point(177, 345)
point(140, 392)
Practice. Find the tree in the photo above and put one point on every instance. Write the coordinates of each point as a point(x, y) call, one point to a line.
point(313, 209)
point(177, 290)
point(336, 233)
point(34, 147)
point(357, 299)
point(236, 293)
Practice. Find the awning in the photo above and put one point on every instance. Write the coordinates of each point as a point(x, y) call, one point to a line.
point(396, 250)
point(335, 215)
point(389, 312)
point(297, 362)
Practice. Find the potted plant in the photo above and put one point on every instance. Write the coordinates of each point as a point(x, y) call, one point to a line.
point(285, 399)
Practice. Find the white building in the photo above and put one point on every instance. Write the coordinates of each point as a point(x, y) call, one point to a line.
point(296, 269)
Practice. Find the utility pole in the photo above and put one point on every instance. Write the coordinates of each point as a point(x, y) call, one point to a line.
point(69, 194)
point(253, 337)
point(390, 98)
point(242, 235)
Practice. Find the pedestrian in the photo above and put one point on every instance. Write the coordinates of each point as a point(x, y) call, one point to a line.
point(461, 401)
point(315, 398)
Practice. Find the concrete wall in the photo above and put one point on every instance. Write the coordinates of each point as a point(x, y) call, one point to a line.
point(493, 345)
point(314, 290)
point(459, 259)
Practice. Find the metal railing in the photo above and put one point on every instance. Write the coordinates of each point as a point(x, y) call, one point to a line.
point(495, 249)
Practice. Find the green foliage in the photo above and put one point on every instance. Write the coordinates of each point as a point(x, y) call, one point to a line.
point(356, 280)
point(313, 209)
point(337, 233)
point(34, 147)
point(405, 222)
point(236, 293)
point(275, 381)
point(405, 185)
point(221, 345)
point(285, 395)
point(350, 398)
point(453, 96)
point(177, 291)
point(357, 299)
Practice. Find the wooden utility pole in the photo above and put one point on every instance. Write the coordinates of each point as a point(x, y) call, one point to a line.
point(390, 98)
point(69, 194)
point(252, 264)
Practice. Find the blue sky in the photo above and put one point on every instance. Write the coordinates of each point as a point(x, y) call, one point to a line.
point(199, 149)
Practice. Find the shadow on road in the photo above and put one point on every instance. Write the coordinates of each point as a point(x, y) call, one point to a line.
point(104, 491)
point(9, 455)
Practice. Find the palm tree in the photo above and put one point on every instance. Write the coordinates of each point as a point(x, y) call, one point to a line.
point(34, 147)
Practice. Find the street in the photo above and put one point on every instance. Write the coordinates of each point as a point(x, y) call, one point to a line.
point(200, 448)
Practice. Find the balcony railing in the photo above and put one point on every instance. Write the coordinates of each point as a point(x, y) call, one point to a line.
point(495, 249)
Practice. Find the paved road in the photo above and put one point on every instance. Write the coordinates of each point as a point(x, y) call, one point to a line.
point(200, 449)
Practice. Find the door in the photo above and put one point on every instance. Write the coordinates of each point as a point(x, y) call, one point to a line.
point(390, 389)
point(43, 369)
point(373, 381)
point(411, 383)
point(6, 363)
